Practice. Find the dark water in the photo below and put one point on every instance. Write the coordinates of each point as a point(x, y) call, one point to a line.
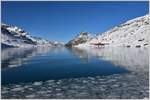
point(40, 64)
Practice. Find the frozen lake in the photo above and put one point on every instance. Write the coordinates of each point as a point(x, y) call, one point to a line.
point(80, 71)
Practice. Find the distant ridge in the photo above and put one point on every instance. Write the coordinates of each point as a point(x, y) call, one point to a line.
point(13, 36)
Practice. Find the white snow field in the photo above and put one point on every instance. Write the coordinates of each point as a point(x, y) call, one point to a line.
point(133, 33)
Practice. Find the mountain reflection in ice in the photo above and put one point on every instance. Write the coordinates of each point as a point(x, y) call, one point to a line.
point(134, 59)
point(14, 57)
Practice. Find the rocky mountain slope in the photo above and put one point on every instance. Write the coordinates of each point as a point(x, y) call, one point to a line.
point(12, 36)
point(133, 33)
point(81, 38)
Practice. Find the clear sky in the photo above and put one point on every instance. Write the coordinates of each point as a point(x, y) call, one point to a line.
point(63, 20)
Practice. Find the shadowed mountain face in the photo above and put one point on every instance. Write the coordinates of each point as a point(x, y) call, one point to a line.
point(83, 37)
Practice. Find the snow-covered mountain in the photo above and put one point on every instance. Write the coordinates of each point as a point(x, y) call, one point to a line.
point(12, 36)
point(133, 33)
point(81, 38)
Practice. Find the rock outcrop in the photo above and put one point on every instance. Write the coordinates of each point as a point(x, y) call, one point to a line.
point(83, 37)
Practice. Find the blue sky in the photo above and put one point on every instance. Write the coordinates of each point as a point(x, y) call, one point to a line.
point(63, 20)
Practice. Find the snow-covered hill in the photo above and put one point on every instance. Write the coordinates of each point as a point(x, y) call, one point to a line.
point(133, 33)
point(12, 36)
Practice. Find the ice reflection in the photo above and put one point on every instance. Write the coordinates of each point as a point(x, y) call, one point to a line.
point(81, 53)
point(14, 57)
point(134, 59)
